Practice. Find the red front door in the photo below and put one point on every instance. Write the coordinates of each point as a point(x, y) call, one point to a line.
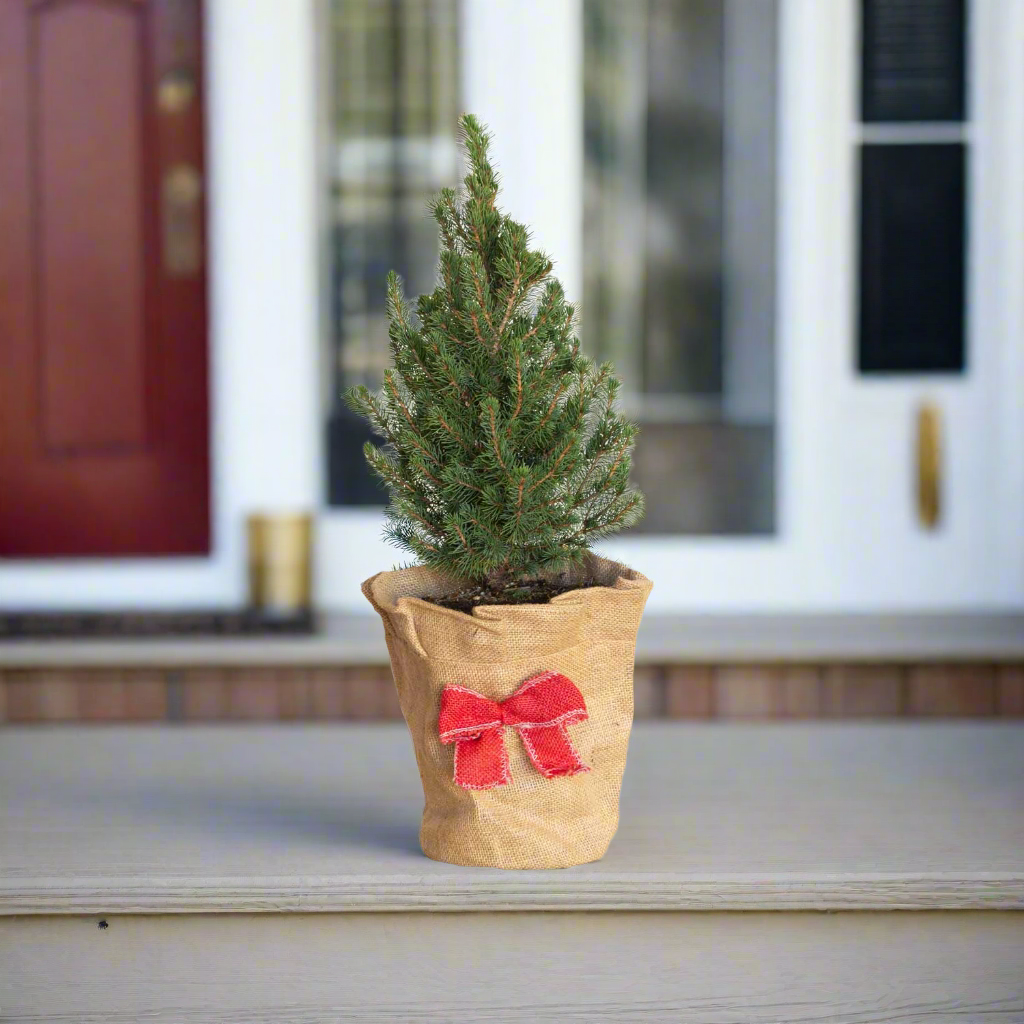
point(104, 405)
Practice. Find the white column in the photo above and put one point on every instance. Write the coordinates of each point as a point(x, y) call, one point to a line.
point(522, 75)
point(262, 127)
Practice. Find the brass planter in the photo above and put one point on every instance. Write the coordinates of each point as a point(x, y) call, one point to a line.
point(280, 563)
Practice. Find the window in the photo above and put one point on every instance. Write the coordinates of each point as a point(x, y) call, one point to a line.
point(394, 96)
point(914, 167)
point(679, 278)
point(679, 209)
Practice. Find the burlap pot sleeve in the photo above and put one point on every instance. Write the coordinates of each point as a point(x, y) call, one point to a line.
point(588, 635)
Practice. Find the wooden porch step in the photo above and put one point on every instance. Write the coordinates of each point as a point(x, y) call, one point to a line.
point(274, 847)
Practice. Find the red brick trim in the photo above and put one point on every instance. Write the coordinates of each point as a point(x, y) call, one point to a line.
point(300, 693)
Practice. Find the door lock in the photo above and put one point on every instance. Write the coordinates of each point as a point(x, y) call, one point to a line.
point(182, 191)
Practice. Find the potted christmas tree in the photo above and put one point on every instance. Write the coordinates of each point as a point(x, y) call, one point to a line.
point(512, 644)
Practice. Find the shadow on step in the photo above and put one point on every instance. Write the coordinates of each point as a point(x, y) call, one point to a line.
point(210, 816)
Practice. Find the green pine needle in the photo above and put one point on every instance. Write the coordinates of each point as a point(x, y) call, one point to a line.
point(503, 452)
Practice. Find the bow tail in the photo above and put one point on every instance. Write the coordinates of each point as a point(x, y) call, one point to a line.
point(551, 750)
point(481, 761)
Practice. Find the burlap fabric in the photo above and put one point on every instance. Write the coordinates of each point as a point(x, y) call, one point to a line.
point(590, 636)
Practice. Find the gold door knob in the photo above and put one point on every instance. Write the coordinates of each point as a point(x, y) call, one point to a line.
point(929, 465)
point(176, 91)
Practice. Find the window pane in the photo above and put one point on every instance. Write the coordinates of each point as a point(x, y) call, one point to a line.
point(394, 94)
point(679, 279)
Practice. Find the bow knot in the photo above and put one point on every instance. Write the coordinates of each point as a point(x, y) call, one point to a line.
point(540, 711)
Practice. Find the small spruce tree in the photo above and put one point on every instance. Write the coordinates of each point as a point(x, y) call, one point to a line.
point(504, 455)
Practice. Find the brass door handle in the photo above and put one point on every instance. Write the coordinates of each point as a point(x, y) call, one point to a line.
point(929, 465)
point(181, 192)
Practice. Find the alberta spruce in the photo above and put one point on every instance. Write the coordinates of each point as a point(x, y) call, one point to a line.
point(504, 454)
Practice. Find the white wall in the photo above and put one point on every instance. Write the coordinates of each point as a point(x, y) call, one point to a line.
point(847, 538)
point(264, 294)
point(266, 299)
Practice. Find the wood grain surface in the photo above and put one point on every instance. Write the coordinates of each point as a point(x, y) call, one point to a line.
point(247, 818)
point(941, 968)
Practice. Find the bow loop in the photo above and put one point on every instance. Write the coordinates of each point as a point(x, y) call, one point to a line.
point(544, 700)
point(465, 714)
point(540, 710)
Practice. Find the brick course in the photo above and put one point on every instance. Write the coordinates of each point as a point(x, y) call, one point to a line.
point(366, 693)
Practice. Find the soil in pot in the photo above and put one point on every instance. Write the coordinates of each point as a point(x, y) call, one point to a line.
point(536, 591)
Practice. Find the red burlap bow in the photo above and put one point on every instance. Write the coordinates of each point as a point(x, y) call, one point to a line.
point(540, 710)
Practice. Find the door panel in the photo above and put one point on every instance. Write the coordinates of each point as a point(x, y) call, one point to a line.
point(89, 189)
point(103, 350)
